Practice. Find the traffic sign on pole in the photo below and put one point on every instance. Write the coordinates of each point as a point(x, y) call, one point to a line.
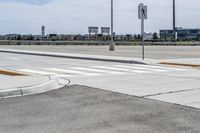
point(142, 14)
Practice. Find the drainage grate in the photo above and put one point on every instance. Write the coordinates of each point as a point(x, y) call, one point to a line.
point(11, 73)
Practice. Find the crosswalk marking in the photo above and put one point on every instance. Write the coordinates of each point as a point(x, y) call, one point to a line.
point(142, 68)
point(36, 72)
point(100, 70)
point(71, 71)
point(159, 67)
point(120, 69)
point(97, 70)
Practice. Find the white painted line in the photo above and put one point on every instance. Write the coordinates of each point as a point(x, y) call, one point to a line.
point(112, 68)
point(36, 72)
point(142, 68)
point(98, 70)
point(160, 67)
point(121, 69)
point(71, 71)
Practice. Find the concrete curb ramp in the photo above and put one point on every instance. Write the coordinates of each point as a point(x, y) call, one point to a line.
point(52, 84)
point(76, 56)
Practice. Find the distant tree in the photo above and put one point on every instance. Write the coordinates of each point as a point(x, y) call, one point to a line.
point(155, 36)
point(139, 37)
point(31, 37)
point(19, 37)
point(135, 37)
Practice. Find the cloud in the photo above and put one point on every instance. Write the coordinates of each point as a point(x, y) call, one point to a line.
point(34, 2)
point(74, 16)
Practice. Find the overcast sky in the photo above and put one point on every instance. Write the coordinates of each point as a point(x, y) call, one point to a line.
point(74, 16)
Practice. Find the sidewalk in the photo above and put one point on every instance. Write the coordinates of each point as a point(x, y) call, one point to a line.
point(12, 86)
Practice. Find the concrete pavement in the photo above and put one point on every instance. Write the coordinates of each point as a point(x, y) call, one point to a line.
point(81, 109)
point(151, 52)
point(168, 55)
point(153, 81)
point(77, 56)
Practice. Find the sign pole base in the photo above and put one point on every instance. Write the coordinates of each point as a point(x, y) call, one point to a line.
point(112, 46)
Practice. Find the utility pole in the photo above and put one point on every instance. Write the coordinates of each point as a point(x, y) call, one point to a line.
point(174, 20)
point(112, 44)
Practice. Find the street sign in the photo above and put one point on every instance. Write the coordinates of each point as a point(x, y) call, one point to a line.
point(142, 11)
point(142, 14)
point(93, 30)
point(105, 30)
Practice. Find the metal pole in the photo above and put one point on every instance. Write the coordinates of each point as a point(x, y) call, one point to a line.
point(174, 20)
point(112, 44)
point(142, 37)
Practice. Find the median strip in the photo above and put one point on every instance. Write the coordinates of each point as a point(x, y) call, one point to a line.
point(10, 73)
point(180, 64)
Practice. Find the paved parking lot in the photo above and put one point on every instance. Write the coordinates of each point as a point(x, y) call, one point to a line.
point(80, 109)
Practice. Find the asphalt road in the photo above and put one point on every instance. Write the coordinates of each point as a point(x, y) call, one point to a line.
point(79, 109)
point(151, 52)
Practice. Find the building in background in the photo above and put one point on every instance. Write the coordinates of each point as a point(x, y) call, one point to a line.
point(148, 36)
point(183, 34)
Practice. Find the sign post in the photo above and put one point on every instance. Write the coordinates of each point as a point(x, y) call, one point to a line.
point(112, 44)
point(142, 14)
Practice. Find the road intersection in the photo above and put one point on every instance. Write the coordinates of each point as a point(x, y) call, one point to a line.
point(178, 85)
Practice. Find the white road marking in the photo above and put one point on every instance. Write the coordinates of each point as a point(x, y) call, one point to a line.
point(160, 67)
point(36, 72)
point(127, 69)
point(142, 68)
point(71, 71)
point(97, 70)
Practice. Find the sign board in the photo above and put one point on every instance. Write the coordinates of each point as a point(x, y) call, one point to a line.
point(142, 11)
point(93, 30)
point(105, 30)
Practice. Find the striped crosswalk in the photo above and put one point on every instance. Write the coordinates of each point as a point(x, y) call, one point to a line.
point(100, 70)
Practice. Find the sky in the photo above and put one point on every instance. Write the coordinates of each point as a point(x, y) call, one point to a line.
point(74, 16)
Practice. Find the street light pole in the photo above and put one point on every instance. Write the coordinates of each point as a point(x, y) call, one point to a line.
point(174, 20)
point(112, 44)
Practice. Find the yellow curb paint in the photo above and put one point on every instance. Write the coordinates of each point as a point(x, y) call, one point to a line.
point(10, 73)
point(179, 64)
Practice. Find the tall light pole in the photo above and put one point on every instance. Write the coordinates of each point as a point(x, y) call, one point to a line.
point(174, 20)
point(112, 44)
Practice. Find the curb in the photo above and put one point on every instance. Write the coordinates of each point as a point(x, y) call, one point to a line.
point(180, 64)
point(73, 56)
point(52, 84)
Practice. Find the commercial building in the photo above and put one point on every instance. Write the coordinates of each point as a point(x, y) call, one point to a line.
point(182, 34)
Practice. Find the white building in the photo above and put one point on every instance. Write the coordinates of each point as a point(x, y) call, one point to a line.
point(148, 36)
